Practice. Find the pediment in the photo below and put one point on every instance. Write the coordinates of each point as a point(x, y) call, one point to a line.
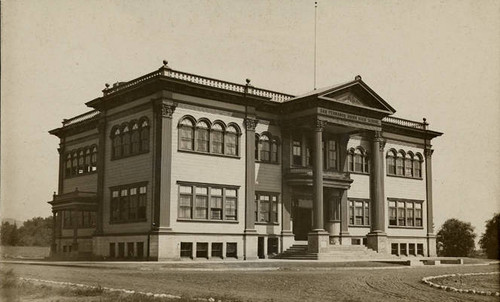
point(346, 98)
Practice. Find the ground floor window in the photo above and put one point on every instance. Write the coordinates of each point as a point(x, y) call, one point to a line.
point(405, 213)
point(121, 249)
point(394, 249)
point(112, 250)
point(202, 250)
point(402, 249)
point(231, 250)
point(140, 249)
point(186, 249)
point(420, 249)
point(359, 212)
point(355, 241)
point(128, 203)
point(411, 249)
point(130, 250)
point(266, 207)
point(272, 245)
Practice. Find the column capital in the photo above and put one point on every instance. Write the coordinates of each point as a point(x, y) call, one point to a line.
point(250, 123)
point(378, 138)
point(167, 110)
point(319, 125)
point(164, 106)
point(428, 152)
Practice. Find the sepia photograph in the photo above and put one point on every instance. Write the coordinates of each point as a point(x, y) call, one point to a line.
point(219, 150)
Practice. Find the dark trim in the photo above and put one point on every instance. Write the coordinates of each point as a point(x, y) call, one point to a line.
point(71, 237)
point(128, 156)
point(80, 175)
point(405, 199)
point(402, 176)
point(127, 221)
point(208, 153)
point(84, 138)
point(134, 184)
point(405, 227)
point(101, 158)
point(360, 173)
point(207, 220)
point(359, 226)
point(267, 223)
point(206, 184)
point(130, 111)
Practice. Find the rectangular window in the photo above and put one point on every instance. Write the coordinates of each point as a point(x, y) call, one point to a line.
point(332, 155)
point(394, 249)
point(399, 166)
point(186, 249)
point(358, 162)
point(334, 209)
point(272, 246)
point(266, 207)
point(112, 250)
point(210, 202)
point(202, 250)
point(420, 249)
point(130, 250)
point(296, 152)
point(405, 213)
point(121, 250)
point(359, 212)
point(355, 241)
point(140, 250)
point(217, 142)
point(411, 249)
point(231, 250)
point(186, 134)
point(216, 250)
point(402, 249)
point(128, 203)
point(202, 139)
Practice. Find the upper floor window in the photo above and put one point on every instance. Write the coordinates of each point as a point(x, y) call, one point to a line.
point(204, 137)
point(130, 138)
point(266, 148)
point(81, 161)
point(266, 207)
point(406, 164)
point(331, 159)
point(78, 219)
point(207, 202)
point(405, 213)
point(296, 151)
point(358, 160)
point(128, 203)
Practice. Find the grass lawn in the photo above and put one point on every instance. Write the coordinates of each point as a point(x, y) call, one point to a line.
point(478, 282)
point(24, 252)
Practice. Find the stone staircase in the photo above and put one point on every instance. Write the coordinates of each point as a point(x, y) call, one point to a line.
point(299, 251)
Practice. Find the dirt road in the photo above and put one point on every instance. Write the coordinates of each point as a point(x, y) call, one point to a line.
point(285, 284)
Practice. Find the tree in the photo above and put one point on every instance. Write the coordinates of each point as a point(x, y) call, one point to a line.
point(489, 240)
point(36, 231)
point(456, 238)
point(9, 234)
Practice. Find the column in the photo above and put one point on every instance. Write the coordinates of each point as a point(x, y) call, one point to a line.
point(377, 238)
point(250, 238)
point(54, 230)
point(303, 148)
point(344, 217)
point(287, 237)
point(318, 239)
point(101, 159)
point(431, 237)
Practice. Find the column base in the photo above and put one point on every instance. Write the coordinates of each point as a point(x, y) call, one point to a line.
point(287, 240)
point(377, 241)
point(318, 241)
point(431, 245)
point(250, 245)
point(344, 238)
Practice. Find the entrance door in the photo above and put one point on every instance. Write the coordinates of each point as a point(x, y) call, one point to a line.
point(302, 223)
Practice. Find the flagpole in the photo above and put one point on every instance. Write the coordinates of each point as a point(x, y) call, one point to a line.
point(315, 21)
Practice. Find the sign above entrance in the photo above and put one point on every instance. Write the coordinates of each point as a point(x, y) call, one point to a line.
point(349, 119)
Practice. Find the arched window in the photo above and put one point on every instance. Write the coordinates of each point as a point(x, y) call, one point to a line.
point(144, 133)
point(265, 148)
point(67, 171)
point(202, 138)
point(366, 162)
point(186, 134)
point(409, 164)
point(274, 150)
point(117, 143)
point(217, 139)
point(391, 162)
point(350, 159)
point(93, 159)
point(74, 163)
point(399, 163)
point(135, 138)
point(330, 156)
point(231, 140)
point(358, 160)
point(81, 161)
point(87, 167)
point(417, 165)
point(126, 140)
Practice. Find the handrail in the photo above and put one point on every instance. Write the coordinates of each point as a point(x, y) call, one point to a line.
point(80, 118)
point(402, 122)
point(201, 80)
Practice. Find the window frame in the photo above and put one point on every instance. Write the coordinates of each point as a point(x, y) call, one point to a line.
point(394, 206)
point(120, 201)
point(355, 154)
point(365, 212)
point(273, 209)
point(410, 163)
point(227, 198)
point(81, 161)
point(130, 138)
point(267, 148)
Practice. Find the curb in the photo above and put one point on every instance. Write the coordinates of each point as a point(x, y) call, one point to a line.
point(427, 281)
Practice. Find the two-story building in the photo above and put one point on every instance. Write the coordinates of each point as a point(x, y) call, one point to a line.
point(174, 165)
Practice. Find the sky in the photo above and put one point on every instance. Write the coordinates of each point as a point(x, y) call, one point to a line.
point(433, 59)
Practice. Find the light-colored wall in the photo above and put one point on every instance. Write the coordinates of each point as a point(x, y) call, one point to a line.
point(206, 168)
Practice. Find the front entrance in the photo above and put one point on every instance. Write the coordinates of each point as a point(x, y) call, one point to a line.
point(302, 218)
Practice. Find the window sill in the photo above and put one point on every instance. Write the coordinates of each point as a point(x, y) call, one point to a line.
point(358, 226)
point(208, 153)
point(360, 173)
point(267, 162)
point(207, 220)
point(405, 227)
point(82, 174)
point(405, 177)
point(266, 223)
point(130, 155)
point(127, 221)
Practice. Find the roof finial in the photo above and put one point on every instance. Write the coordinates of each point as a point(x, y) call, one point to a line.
point(425, 123)
point(248, 81)
point(107, 85)
point(357, 78)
